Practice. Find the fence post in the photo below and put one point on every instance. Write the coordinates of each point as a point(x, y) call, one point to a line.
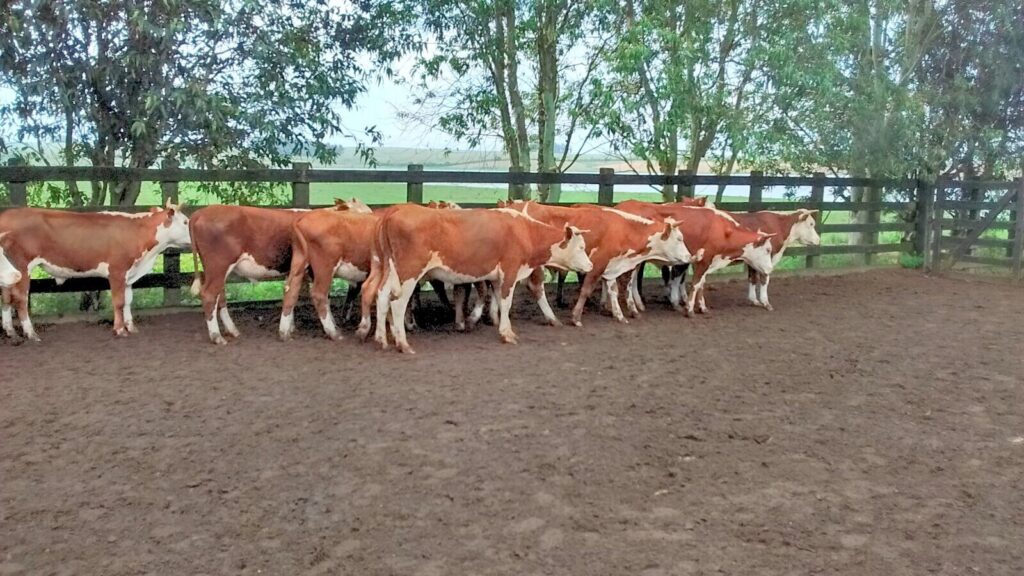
point(923, 221)
point(684, 189)
point(936, 239)
point(515, 191)
point(414, 185)
point(756, 190)
point(606, 187)
point(1011, 234)
point(1018, 239)
point(817, 197)
point(300, 186)
point(172, 262)
point(869, 237)
point(17, 192)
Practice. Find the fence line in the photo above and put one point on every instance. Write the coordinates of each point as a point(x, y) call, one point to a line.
point(934, 213)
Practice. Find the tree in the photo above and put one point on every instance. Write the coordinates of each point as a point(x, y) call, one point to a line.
point(475, 81)
point(218, 84)
point(685, 80)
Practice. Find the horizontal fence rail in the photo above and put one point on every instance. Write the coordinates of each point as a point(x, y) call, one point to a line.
point(932, 220)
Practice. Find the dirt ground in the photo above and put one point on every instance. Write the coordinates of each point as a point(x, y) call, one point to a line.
point(872, 424)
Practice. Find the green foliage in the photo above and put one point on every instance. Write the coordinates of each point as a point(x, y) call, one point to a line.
point(212, 84)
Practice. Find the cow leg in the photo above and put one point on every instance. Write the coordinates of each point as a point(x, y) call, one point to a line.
point(225, 316)
point(369, 292)
point(478, 306)
point(535, 283)
point(292, 288)
point(612, 288)
point(636, 289)
point(764, 278)
point(699, 277)
point(676, 291)
point(117, 300)
point(129, 322)
point(351, 294)
point(560, 276)
point(666, 278)
point(461, 293)
point(398, 309)
point(586, 289)
point(383, 305)
point(19, 294)
point(626, 289)
point(442, 293)
point(212, 296)
point(320, 294)
point(8, 314)
point(507, 287)
point(493, 310)
point(752, 286)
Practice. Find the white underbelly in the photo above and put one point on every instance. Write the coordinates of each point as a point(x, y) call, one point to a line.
point(247, 267)
point(350, 272)
point(60, 273)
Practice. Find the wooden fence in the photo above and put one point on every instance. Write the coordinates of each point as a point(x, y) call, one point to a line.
point(929, 205)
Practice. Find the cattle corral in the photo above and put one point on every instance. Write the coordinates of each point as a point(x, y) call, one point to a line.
point(870, 424)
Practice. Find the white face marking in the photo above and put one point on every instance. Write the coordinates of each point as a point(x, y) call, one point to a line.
point(60, 273)
point(672, 249)
point(803, 232)
point(357, 206)
point(175, 233)
point(572, 257)
point(9, 275)
point(351, 272)
point(759, 257)
point(247, 267)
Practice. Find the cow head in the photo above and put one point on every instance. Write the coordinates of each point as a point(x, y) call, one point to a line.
point(687, 201)
point(173, 231)
point(354, 206)
point(9, 275)
point(804, 231)
point(758, 254)
point(667, 244)
point(443, 205)
point(571, 252)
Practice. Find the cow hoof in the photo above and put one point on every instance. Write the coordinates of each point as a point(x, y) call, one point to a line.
point(460, 327)
point(510, 339)
point(406, 350)
point(554, 322)
point(577, 323)
point(132, 329)
point(121, 332)
point(622, 320)
point(220, 341)
point(688, 313)
point(335, 337)
point(284, 336)
point(768, 307)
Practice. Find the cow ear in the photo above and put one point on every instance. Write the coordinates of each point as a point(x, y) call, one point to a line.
point(762, 238)
point(805, 214)
point(568, 232)
point(668, 230)
point(167, 203)
point(702, 201)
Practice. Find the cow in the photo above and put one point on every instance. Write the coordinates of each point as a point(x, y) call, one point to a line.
point(717, 234)
point(793, 228)
point(250, 242)
point(619, 241)
point(332, 245)
point(118, 246)
point(464, 246)
point(561, 275)
point(9, 275)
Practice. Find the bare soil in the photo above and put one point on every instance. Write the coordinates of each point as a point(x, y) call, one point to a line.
point(872, 424)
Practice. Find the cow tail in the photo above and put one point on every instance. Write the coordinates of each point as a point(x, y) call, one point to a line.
point(300, 253)
point(198, 277)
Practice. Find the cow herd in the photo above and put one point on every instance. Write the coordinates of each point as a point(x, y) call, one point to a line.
point(386, 254)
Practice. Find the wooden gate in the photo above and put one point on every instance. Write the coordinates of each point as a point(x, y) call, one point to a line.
point(978, 232)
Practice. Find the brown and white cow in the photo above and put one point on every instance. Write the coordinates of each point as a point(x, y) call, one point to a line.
point(464, 246)
point(795, 228)
point(559, 300)
point(331, 244)
point(250, 242)
point(119, 246)
point(716, 236)
point(618, 242)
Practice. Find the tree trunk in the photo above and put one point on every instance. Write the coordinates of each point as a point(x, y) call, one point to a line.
point(515, 96)
point(70, 157)
point(547, 91)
